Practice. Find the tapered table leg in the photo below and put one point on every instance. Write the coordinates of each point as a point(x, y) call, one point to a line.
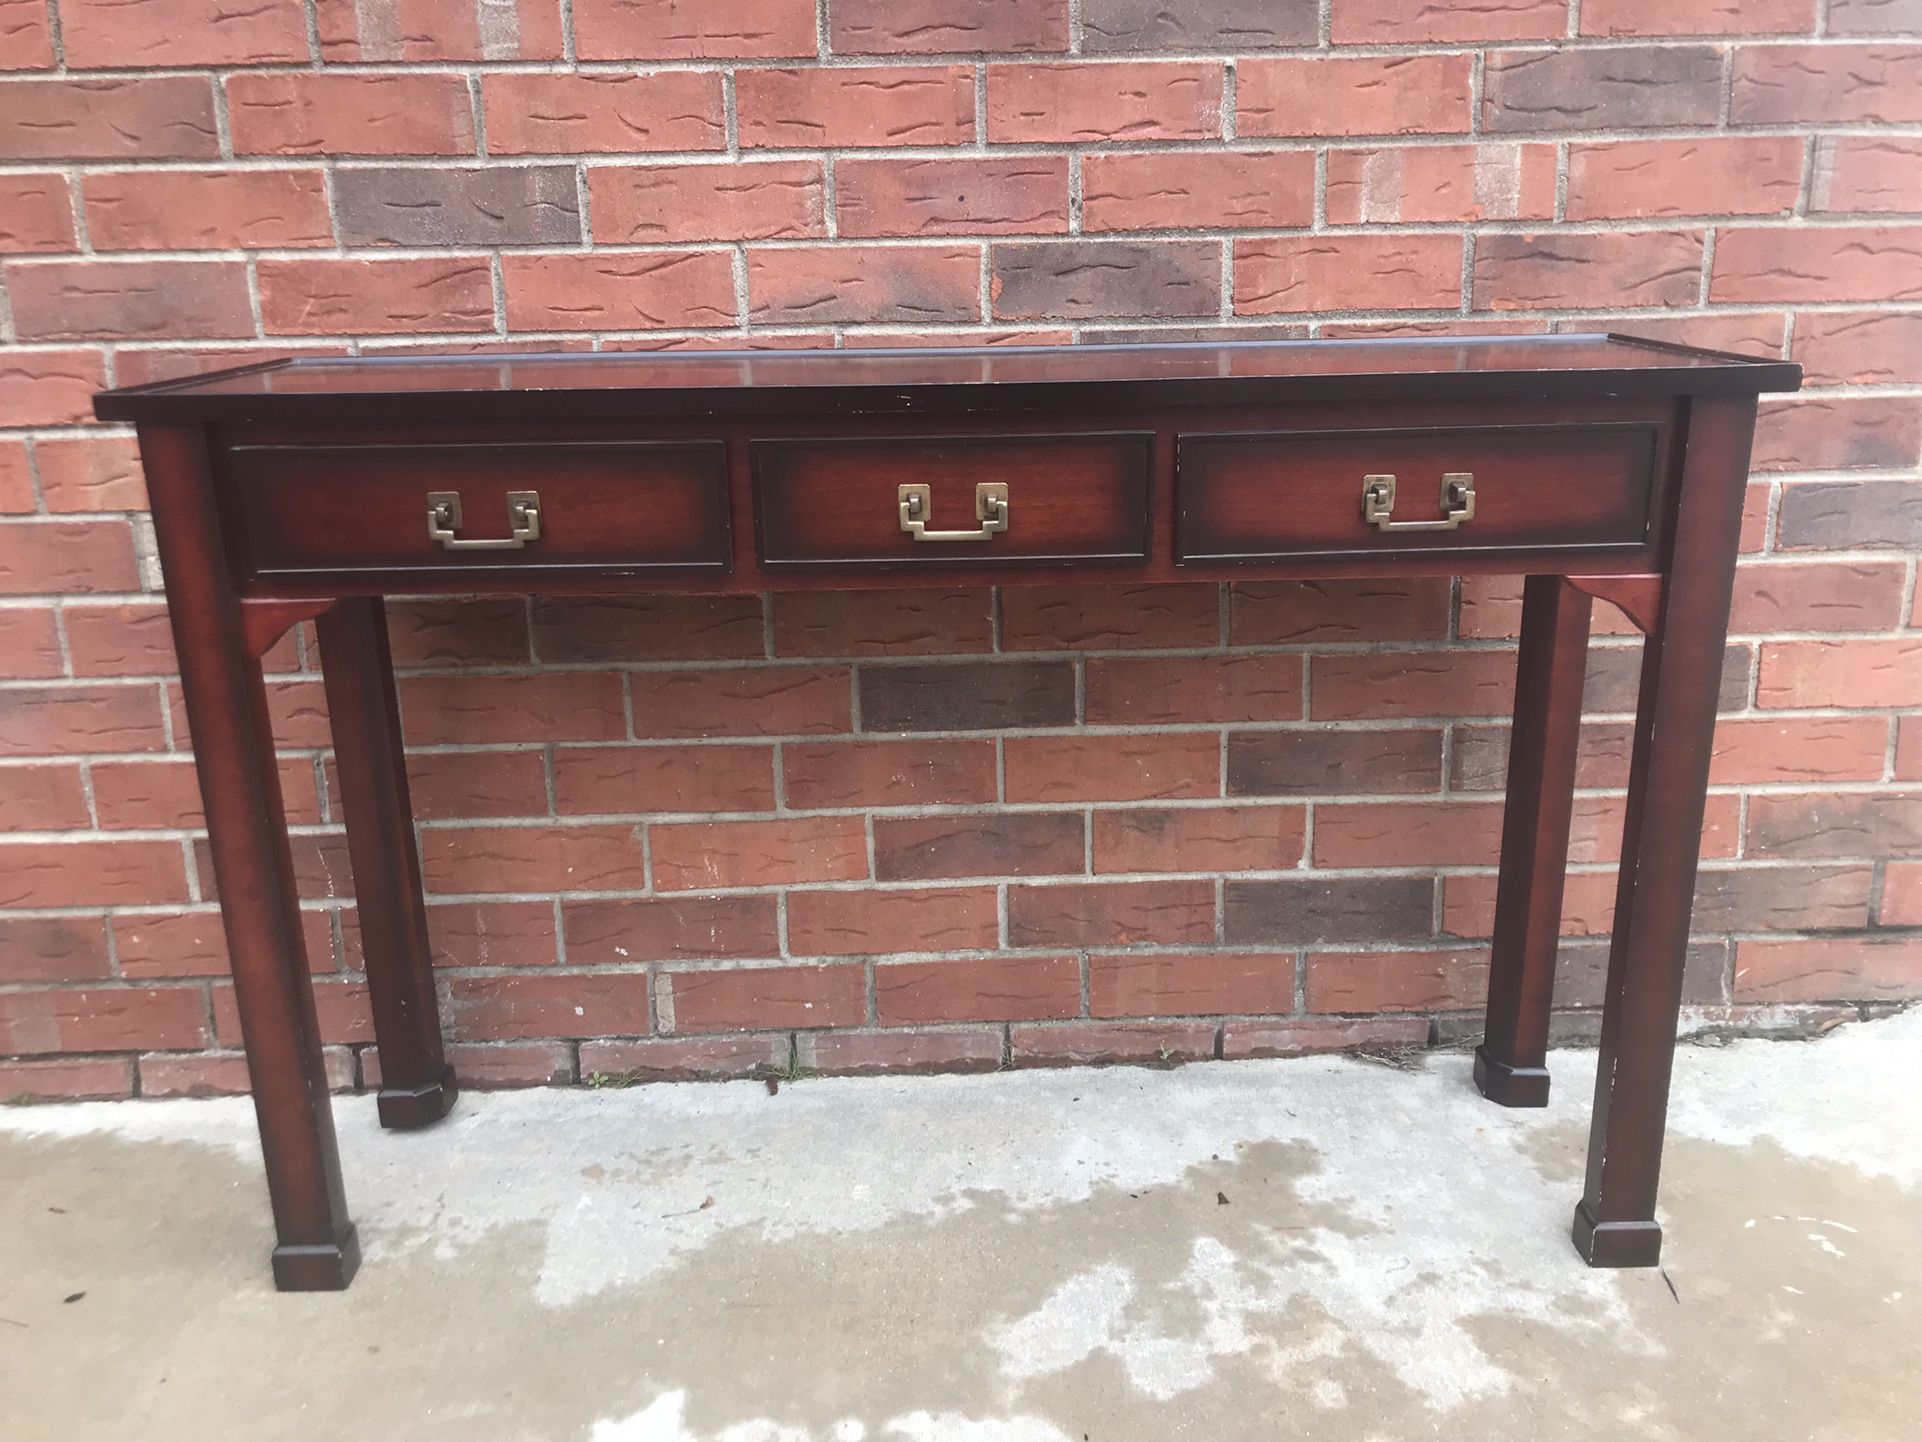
point(247, 834)
point(416, 1083)
point(1511, 1063)
point(1615, 1222)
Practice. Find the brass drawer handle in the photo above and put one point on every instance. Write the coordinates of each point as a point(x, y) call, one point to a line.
point(523, 521)
point(990, 509)
point(1457, 503)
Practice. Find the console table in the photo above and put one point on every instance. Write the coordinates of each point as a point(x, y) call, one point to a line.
point(1596, 466)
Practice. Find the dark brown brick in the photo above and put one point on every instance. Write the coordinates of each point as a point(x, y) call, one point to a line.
point(967, 696)
point(1781, 898)
point(498, 205)
point(1109, 618)
point(1112, 913)
point(1315, 910)
point(1838, 515)
point(903, 622)
point(1002, 843)
point(1073, 279)
point(1323, 762)
point(1616, 88)
point(129, 299)
point(1296, 613)
point(1824, 433)
point(1181, 25)
point(627, 629)
point(1559, 272)
point(1480, 756)
point(1807, 826)
point(1094, 1044)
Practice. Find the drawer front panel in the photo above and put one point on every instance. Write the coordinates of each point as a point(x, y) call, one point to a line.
point(344, 511)
point(1534, 488)
point(834, 502)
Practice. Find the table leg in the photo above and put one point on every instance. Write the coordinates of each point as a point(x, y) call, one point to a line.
point(1615, 1222)
point(226, 703)
point(416, 1083)
point(1511, 1063)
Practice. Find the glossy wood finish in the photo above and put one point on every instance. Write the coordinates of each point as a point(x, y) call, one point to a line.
point(833, 501)
point(1603, 466)
point(1511, 1064)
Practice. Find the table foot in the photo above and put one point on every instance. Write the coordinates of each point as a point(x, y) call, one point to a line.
point(1510, 1086)
point(317, 1267)
point(1616, 1244)
point(406, 1109)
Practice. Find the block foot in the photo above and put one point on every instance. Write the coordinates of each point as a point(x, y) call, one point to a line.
point(1510, 1086)
point(317, 1267)
point(1616, 1244)
point(410, 1108)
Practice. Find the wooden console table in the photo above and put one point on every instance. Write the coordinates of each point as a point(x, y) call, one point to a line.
point(1597, 466)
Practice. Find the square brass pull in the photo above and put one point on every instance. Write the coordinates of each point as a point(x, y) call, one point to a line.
point(1457, 503)
point(523, 522)
point(990, 509)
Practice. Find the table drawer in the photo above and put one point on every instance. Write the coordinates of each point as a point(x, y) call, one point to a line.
point(1447, 490)
point(351, 511)
point(952, 501)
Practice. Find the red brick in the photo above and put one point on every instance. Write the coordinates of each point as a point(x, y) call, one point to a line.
point(1126, 101)
point(492, 933)
point(345, 1015)
point(1901, 894)
point(1871, 263)
point(1569, 271)
point(1375, 95)
point(1085, 1044)
point(126, 639)
point(42, 798)
point(102, 1019)
point(36, 214)
point(997, 195)
point(618, 292)
point(757, 701)
point(530, 859)
point(861, 106)
point(1767, 750)
point(1822, 596)
point(1406, 834)
point(764, 998)
point(864, 283)
point(913, 622)
point(1148, 767)
point(865, 1053)
point(995, 843)
point(1865, 173)
point(1452, 183)
point(1828, 969)
point(1185, 984)
point(998, 988)
point(693, 29)
point(71, 720)
point(535, 1005)
point(63, 1079)
point(164, 793)
point(26, 43)
point(1412, 683)
point(1112, 913)
point(728, 200)
point(29, 645)
point(1312, 1035)
point(1697, 17)
point(888, 773)
point(1818, 432)
point(177, 944)
point(1835, 824)
point(1638, 179)
point(157, 118)
point(1192, 690)
point(470, 710)
point(935, 27)
point(206, 210)
point(128, 299)
point(388, 30)
point(1179, 190)
point(124, 34)
point(1403, 22)
point(1191, 838)
point(164, 1074)
point(16, 479)
point(540, 114)
point(889, 923)
point(465, 785)
point(92, 473)
point(1872, 17)
point(685, 1058)
point(1306, 273)
point(48, 388)
point(1294, 613)
point(1108, 618)
point(1841, 673)
point(782, 852)
point(621, 630)
point(669, 928)
point(634, 779)
point(375, 297)
point(53, 949)
point(1826, 85)
point(334, 113)
point(1366, 981)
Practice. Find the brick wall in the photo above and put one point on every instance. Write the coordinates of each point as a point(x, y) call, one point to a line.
point(694, 835)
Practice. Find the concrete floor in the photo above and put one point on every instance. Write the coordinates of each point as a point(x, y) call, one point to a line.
point(1324, 1248)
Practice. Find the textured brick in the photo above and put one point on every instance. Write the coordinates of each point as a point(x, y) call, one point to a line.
point(614, 630)
point(882, 623)
point(30, 645)
point(1367, 981)
point(999, 988)
point(539, 114)
point(1296, 273)
point(1182, 25)
point(91, 873)
point(1193, 690)
point(1766, 750)
point(1158, 190)
point(618, 292)
point(1164, 766)
point(1160, 100)
point(493, 933)
point(779, 852)
point(1186, 984)
point(763, 997)
point(1857, 673)
point(686, 1058)
point(614, 780)
point(1412, 683)
point(1310, 1036)
point(64, 1078)
point(1865, 174)
point(1402, 22)
point(1310, 910)
point(864, 283)
point(1077, 279)
point(128, 299)
point(61, 949)
point(42, 798)
point(36, 214)
point(935, 27)
point(1639, 179)
point(1836, 515)
point(668, 928)
point(859, 106)
point(102, 1019)
point(1697, 17)
point(531, 859)
point(1616, 88)
point(1555, 271)
point(1215, 838)
point(1833, 825)
point(157, 118)
point(779, 199)
point(886, 923)
point(1822, 433)
point(390, 30)
point(470, 710)
point(1828, 970)
point(1292, 613)
point(26, 43)
point(375, 297)
point(498, 205)
point(207, 210)
point(1781, 898)
point(966, 695)
point(1873, 17)
point(760, 701)
point(994, 843)
point(1843, 596)
point(1107, 618)
point(1869, 263)
point(1441, 183)
point(48, 387)
point(1826, 85)
point(536, 1005)
point(859, 1053)
point(692, 29)
point(1153, 1043)
point(921, 772)
point(309, 113)
point(1112, 913)
point(55, 557)
point(1353, 95)
point(993, 196)
point(125, 34)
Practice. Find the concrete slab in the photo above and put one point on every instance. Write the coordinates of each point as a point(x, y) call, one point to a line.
point(1324, 1248)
